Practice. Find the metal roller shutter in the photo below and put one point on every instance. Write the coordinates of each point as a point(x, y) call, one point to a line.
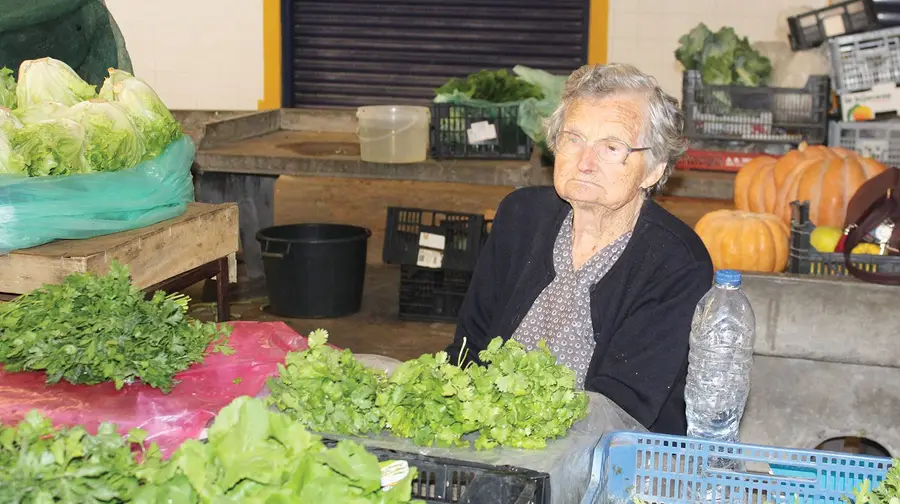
point(370, 52)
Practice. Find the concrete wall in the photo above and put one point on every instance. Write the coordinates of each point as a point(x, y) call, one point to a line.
point(197, 54)
point(826, 365)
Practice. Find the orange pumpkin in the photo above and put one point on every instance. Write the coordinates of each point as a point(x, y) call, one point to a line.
point(754, 186)
point(828, 182)
point(745, 241)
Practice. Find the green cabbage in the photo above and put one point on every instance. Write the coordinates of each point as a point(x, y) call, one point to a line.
point(151, 117)
point(41, 112)
point(7, 88)
point(47, 79)
point(112, 142)
point(51, 147)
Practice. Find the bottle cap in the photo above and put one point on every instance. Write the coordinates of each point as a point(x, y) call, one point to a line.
point(728, 277)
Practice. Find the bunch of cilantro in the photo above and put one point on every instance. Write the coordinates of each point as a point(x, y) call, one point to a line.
point(327, 389)
point(92, 329)
point(523, 398)
point(40, 464)
point(256, 455)
point(425, 400)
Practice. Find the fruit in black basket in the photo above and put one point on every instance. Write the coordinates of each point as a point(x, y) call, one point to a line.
point(825, 239)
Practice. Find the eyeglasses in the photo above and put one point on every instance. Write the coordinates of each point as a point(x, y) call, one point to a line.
point(570, 144)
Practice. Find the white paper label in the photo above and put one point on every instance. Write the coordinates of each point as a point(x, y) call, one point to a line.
point(430, 259)
point(481, 132)
point(393, 473)
point(432, 241)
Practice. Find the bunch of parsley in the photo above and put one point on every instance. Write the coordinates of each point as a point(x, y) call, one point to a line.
point(92, 329)
point(327, 389)
point(40, 464)
point(256, 455)
point(523, 398)
point(887, 492)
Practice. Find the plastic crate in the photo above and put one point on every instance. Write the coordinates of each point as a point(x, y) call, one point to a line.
point(720, 161)
point(761, 115)
point(862, 61)
point(452, 481)
point(875, 139)
point(463, 235)
point(674, 470)
point(432, 295)
point(811, 29)
point(805, 260)
point(452, 127)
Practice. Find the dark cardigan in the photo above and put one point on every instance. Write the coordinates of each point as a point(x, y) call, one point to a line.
point(641, 309)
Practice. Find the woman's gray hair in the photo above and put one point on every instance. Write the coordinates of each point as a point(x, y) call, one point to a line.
point(663, 123)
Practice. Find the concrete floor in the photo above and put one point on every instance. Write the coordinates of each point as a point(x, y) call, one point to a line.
point(374, 330)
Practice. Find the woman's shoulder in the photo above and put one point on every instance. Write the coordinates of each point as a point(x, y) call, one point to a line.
point(662, 230)
point(530, 203)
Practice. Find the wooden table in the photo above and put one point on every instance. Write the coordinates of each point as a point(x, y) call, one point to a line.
point(172, 255)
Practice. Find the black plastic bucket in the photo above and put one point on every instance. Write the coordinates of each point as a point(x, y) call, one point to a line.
point(314, 270)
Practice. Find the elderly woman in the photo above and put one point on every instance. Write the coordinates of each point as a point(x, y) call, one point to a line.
point(595, 267)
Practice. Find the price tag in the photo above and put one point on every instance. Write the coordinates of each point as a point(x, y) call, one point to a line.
point(393, 472)
point(430, 259)
point(432, 241)
point(481, 132)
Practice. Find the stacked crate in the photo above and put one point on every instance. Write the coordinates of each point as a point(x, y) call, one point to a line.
point(437, 251)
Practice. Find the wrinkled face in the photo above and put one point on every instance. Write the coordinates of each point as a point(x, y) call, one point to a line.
point(595, 131)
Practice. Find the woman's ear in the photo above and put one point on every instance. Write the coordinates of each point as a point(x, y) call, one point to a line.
point(653, 176)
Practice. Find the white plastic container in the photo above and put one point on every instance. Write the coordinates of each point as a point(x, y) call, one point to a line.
point(393, 133)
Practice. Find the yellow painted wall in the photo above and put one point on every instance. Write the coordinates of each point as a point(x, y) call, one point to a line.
point(271, 55)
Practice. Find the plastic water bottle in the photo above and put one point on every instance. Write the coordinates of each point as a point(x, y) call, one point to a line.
point(721, 354)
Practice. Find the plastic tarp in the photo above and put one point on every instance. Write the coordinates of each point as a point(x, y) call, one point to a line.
point(38, 210)
point(566, 460)
point(169, 419)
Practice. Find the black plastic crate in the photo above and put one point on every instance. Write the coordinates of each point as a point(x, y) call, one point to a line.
point(451, 123)
point(458, 482)
point(762, 115)
point(432, 295)
point(463, 235)
point(805, 260)
point(813, 28)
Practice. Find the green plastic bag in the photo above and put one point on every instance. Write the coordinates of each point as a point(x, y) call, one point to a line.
point(38, 210)
point(81, 33)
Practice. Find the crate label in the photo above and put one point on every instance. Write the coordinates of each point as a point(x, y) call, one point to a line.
point(833, 25)
point(863, 106)
point(432, 241)
point(481, 132)
point(875, 148)
point(430, 259)
point(393, 472)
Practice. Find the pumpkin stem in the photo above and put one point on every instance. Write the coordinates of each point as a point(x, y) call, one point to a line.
point(802, 147)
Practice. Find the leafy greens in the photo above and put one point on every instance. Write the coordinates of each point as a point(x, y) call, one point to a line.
point(112, 142)
point(7, 88)
point(887, 492)
point(722, 57)
point(47, 79)
point(92, 329)
point(327, 390)
point(256, 455)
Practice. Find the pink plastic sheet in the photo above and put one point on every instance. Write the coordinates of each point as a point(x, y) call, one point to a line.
point(172, 418)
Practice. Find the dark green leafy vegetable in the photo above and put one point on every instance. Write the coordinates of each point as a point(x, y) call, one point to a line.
point(495, 86)
point(256, 455)
point(723, 58)
point(92, 329)
point(327, 389)
point(7, 88)
point(40, 464)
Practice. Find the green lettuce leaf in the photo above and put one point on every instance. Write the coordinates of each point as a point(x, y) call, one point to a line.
point(47, 79)
point(41, 112)
point(149, 114)
point(7, 88)
point(112, 142)
point(52, 147)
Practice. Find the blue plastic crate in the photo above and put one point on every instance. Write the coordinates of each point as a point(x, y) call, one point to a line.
point(674, 470)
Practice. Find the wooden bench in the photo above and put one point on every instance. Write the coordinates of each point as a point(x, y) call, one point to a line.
point(172, 255)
